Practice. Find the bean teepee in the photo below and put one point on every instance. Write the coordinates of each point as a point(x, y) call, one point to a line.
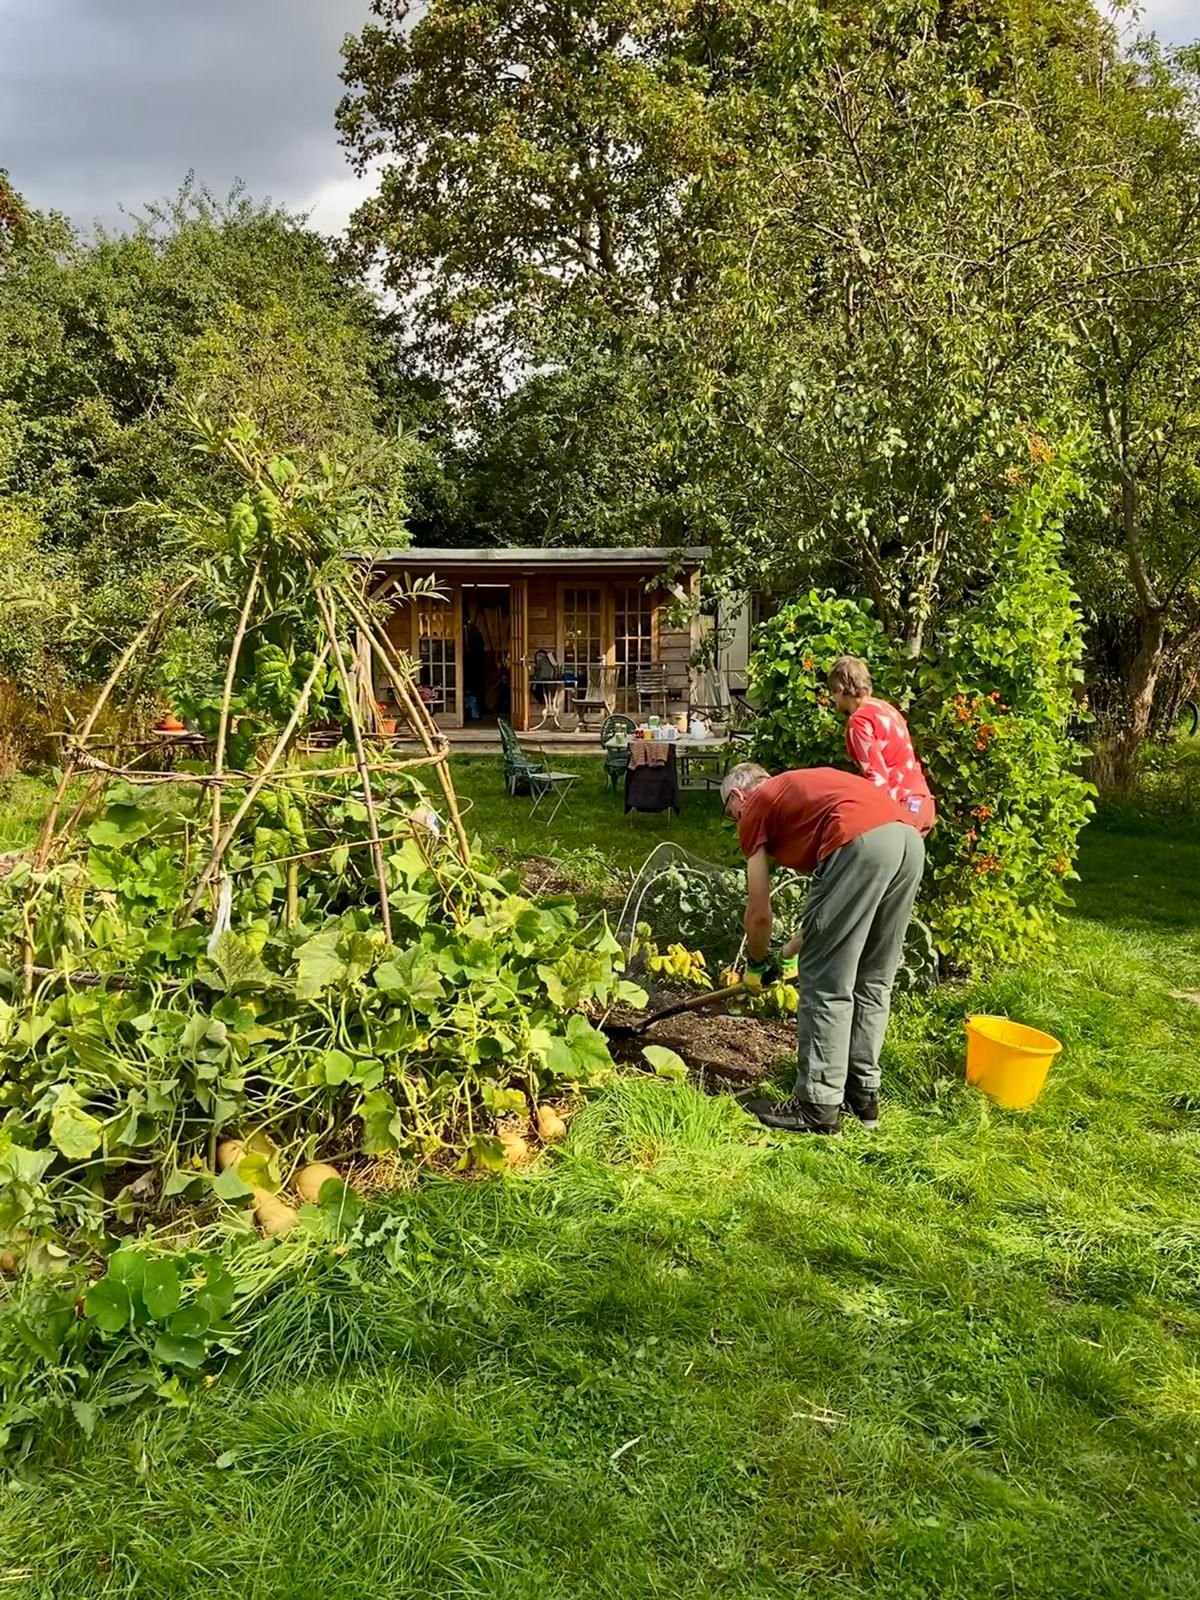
point(285, 581)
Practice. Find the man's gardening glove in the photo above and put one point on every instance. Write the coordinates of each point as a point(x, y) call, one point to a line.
point(760, 975)
point(757, 975)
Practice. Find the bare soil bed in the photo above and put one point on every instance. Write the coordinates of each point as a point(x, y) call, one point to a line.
point(724, 1052)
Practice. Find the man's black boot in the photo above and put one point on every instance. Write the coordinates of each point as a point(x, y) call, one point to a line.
point(796, 1116)
point(863, 1104)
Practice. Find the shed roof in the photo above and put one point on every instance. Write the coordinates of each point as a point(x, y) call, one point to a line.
point(534, 556)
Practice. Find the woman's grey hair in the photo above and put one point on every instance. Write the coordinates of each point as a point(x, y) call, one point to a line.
point(746, 775)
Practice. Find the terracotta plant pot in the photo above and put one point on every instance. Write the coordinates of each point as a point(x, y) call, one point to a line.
point(387, 724)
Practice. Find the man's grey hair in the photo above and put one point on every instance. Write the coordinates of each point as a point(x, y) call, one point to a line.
point(746, 775)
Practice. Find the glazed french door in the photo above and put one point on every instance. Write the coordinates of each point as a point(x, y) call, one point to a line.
point(437, 649)
point(634, 639)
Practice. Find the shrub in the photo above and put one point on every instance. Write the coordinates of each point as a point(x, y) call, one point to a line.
point(989, 707)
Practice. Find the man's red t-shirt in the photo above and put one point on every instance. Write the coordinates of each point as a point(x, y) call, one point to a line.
point(801, 817)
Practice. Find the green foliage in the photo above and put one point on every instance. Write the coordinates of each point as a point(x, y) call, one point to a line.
point(796, 723)
point(105, 345)
point(989, 707)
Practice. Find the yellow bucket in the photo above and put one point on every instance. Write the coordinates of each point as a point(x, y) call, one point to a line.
point(1008, 1061)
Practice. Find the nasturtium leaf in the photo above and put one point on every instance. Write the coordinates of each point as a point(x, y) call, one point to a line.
point(160, 1289)
point(217, 1288)
point(109, 1305)
point(191, 1321)
point(128, 1266)
point(179, 1352)
point(75, 1132)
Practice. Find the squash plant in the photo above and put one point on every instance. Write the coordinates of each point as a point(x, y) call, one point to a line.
point(319, 1031)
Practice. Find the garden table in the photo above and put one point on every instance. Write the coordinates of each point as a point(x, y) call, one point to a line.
point(554, 690)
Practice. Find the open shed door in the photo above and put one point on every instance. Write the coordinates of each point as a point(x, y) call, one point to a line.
point(518, 665)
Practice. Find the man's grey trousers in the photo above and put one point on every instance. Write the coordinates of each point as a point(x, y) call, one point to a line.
point(860, 900)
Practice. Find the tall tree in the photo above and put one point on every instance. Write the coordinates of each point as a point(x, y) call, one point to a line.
point(104, 342)
point(1137, 320)
point(536, 162)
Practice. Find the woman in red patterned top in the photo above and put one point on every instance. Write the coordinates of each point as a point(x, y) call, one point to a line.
point(878, 740)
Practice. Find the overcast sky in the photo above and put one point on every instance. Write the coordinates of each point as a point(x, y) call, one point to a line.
point(107, 104)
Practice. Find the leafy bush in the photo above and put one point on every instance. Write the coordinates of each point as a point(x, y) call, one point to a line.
point(989, 707)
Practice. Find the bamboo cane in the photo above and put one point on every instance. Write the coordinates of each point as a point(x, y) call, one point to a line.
point(227, 696)
point(419, 719)
point(248, 799)
point(364, 771)
point(46, 837)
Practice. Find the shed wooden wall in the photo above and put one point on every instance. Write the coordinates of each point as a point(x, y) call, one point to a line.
point(543, 616)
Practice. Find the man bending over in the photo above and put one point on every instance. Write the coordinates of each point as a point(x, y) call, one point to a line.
point(866, 863)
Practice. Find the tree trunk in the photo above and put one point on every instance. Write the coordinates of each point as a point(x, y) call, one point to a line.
point(1143, 680)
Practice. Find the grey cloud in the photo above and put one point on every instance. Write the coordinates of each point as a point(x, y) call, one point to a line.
point(108, 103)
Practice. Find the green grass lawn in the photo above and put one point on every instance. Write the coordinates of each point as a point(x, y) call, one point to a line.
point(591, 833)
point(684, 1358)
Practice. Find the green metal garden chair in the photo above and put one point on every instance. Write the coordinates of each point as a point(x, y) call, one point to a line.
point(519, 768)
point(615, 761)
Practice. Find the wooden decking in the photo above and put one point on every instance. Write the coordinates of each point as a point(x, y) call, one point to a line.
point(483, 739)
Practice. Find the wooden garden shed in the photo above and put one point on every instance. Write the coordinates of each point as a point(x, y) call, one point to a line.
point(507, 621)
